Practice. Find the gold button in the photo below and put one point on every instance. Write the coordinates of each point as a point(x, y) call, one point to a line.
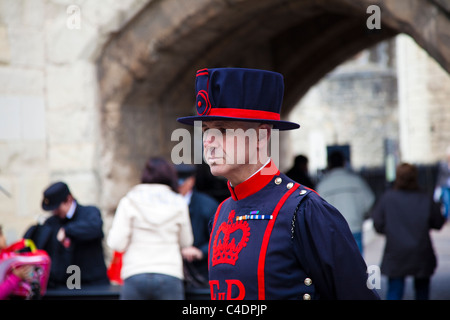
point(290, 185)
point(302, 192)
point(308, 281)
point(306, 297)
point(278, 180)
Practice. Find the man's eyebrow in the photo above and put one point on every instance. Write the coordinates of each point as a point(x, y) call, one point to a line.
point(217, 124)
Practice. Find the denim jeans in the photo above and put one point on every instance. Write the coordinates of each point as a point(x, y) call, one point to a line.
point(396, 287)
point(152, 286)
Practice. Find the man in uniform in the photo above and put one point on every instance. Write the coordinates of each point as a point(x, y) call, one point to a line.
point(273, 238)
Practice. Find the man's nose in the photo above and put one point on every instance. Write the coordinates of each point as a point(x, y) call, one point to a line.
point(209, 138)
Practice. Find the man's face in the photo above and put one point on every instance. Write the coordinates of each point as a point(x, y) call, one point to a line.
point(186, 186)
point(63, 208)
point(230, 144)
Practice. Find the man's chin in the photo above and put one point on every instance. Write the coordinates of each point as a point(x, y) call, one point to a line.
point(217, 169)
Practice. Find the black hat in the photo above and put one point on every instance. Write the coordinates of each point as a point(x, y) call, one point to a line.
point(239, 94)
point(55, 195)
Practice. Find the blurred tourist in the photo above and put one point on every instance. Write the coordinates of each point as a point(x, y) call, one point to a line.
point(201, 209)
point(73, 235)
point(442, 190)
point(405, 216)
point(299, 172)
point(151, 226)
point(349, 193)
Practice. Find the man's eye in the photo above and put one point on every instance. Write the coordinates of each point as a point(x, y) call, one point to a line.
point(221, 130)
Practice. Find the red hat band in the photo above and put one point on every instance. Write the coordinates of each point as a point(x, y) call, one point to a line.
point(243, 113)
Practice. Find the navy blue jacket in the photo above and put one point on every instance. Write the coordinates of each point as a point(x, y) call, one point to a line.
point(86, 251)
point(275, 239)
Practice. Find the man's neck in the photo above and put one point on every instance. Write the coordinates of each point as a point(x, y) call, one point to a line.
point(246, 172)
point(71, 211)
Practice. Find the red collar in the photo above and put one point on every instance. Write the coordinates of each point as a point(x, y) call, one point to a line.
point(254, 183)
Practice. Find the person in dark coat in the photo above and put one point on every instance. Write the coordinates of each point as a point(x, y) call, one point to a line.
point(405, 216)
point(71, 236)
point(201, 209)
point(272, 238)
point(299, 172)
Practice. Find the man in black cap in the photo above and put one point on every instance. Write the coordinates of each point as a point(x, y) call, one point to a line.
point(71, 236)
point(273, 238)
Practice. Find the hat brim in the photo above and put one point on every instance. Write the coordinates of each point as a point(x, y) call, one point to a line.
point(51, 207)
point(277, 124)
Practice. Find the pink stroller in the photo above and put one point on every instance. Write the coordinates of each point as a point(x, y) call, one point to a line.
point(24, 252)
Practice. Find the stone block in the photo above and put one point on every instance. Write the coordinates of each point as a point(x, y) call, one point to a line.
point(24, 196)
point(10, 118)
point(70, 157)
point(16, 81)
point(5, 53)
point(30, 13)
point(22, 118)
point(11, 12)
point(71, 126)
point(72, 86)
point(26, 46)
point(33, 118)
point(68, 44)
point(28, 197)
point(23, 156)
point(34, 13)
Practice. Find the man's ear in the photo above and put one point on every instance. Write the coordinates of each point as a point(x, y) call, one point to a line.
point(69, 198)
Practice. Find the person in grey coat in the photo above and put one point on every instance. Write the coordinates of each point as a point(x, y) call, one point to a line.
point(405, 216)
point(349, 193)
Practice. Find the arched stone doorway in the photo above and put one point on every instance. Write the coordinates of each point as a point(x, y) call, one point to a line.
point(146, 71)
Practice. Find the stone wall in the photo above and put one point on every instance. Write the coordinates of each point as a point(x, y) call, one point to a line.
point(424, 108)
point(49, 100)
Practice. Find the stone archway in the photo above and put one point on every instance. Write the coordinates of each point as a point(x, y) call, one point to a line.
point(146, 71)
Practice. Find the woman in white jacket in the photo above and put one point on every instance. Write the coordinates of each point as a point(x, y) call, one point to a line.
point(151, 226)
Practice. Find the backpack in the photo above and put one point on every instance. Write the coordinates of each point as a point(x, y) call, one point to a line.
point(21, 253)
